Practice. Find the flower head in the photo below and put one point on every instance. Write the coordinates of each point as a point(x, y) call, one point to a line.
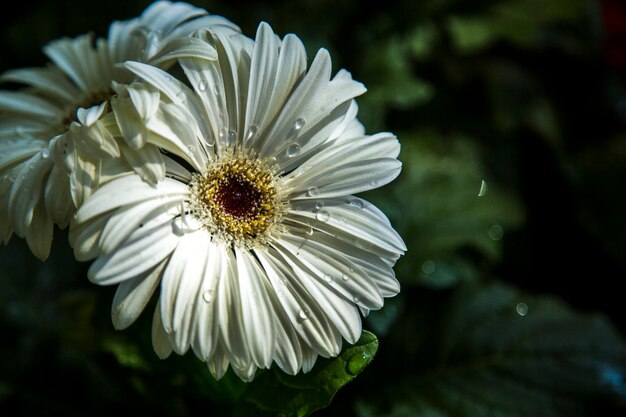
point(262, 252)
point(55, 133)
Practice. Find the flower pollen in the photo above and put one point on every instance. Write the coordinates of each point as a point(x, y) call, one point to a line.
point(236, 200)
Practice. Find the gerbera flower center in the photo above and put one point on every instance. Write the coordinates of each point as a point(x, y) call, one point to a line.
point(236, 200)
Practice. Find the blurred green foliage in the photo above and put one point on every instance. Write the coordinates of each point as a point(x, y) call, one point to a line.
point(512, 123)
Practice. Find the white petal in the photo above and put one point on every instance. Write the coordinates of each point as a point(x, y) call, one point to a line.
point(27, 191)
point(49, 79)
point(229, 312)
point(350, 218)
point(132, 296)
point(347, 169)
point(30, 105)
point(39, 233)
point(123, 222)
point(332, 269)
point(205, 335)
point(181, 288)
point(145, 248)
point(128, 190)
point(57, 196)
point(256, 309)
point(342, 313)
point(147, 162)
point(160, 341)
point(303, 309)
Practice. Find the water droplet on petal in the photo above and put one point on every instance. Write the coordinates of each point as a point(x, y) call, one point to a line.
point(207, 296)
point(356, 299)
point(181, 96)
point(521, 309)
point(252, 131)
point(323, 216)
point(319, 205)
point(191, 148)
point(356, 203)
point(202, 85)
point(45, 153)
point(358, 362)
point(483, 189)
point(313, 191)
point(328, 278)
point(373, 183)
point(310, 231)
point(293, 150)
point(496, 232)
point(299, 124)
point(303, 315)
point(345, 277)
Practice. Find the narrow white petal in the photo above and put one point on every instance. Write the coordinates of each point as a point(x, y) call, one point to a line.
point(229, 311)
point(160, 341)
point(27, 191)
point(29, 105)
point(147, 162)
point(49, 79)
point(303, 309)
point(181, 288)
point(346, 169)
point(256, 309)
point(127, 190)
point(39, 233)
point(342, 313)
point(205, 336)
point(352, 218)
point(57, 196)
point(145, 247)
point(132, 296)
point(334, 270)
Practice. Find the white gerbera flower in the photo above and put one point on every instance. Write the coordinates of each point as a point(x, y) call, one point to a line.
point(261, 251)
point(58, 127)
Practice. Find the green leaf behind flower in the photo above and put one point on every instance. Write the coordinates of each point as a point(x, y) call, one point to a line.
point(282, 395)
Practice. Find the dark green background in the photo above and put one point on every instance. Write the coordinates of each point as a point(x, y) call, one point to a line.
point(528, 96)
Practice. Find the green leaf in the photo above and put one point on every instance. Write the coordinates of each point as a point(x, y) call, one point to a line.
point(283, 395)
point(503, 353)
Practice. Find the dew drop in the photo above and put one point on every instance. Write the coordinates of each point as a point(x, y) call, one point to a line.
point(323, 216)
point(310, 231)
point(252, 131)
point(356, 299)
point(483, 189)
point(496, 232)
point(521, 309)
point(45, 153)
point(191, 148)
point(303, 315)
point(207, 296)
point(356, 203)
point(358, 362)
point(373, 183)
point(313, 191)
point(299, 124)
point(202, 85)
point(328, 278)
point(228, 137)
point(345, 277)
point(293, 150)
point(319, 205)
point(181, 96)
